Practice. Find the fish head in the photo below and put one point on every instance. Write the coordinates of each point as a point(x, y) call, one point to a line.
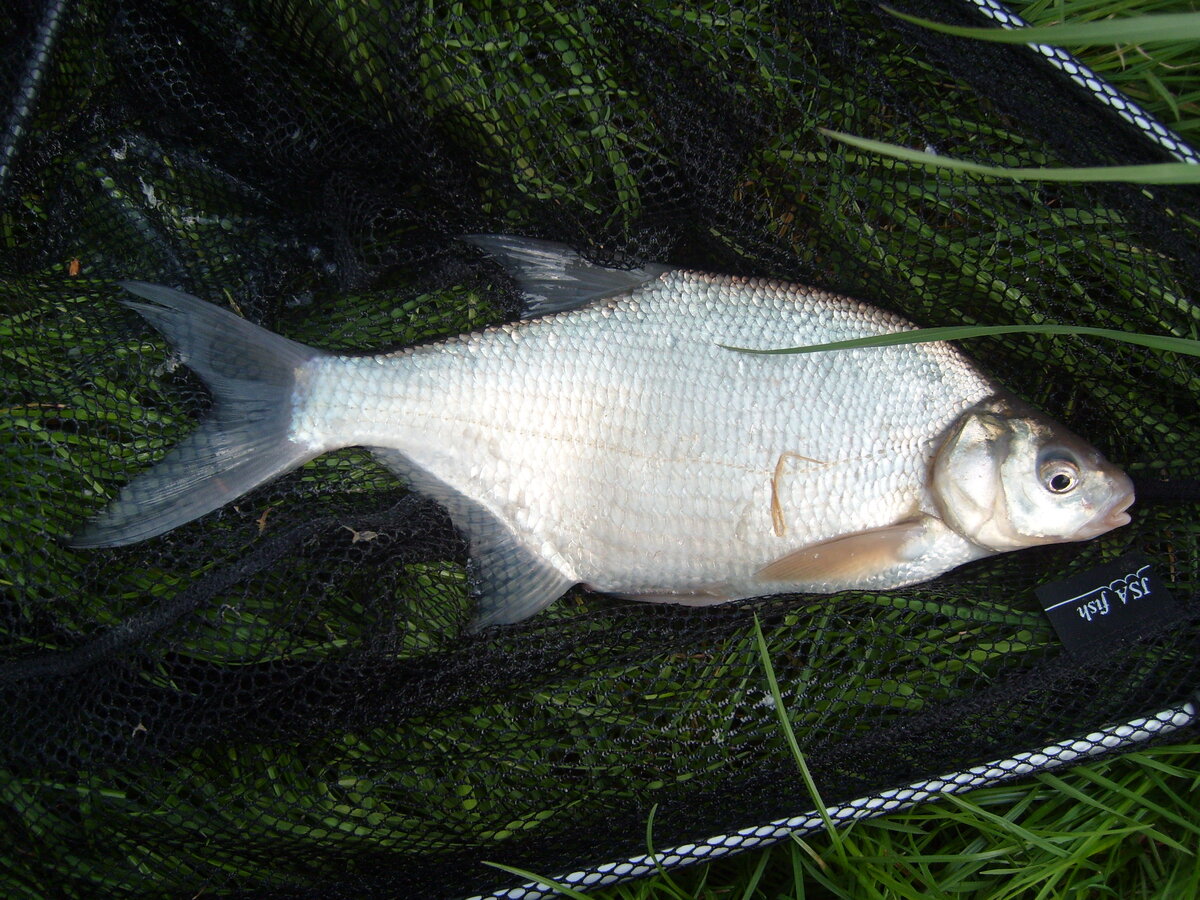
point(1007, 478)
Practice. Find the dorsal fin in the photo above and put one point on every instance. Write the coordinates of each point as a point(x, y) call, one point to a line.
point(554, 278)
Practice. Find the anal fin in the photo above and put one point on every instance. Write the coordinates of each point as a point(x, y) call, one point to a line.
point(511, 582)
point(849, 558)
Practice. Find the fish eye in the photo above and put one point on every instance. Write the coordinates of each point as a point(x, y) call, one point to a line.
point(1059, 476)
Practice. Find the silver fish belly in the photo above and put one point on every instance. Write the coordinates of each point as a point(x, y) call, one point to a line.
point(622, 445)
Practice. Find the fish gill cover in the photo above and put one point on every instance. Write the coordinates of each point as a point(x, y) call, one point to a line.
point(282, 697)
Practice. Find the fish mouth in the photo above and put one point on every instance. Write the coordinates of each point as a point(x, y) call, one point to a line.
point(1114, 517)
point(1117, 515)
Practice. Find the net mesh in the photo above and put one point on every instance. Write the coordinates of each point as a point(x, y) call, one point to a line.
point(281, 697)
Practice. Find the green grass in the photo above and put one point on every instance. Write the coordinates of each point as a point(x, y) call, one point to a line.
point(1070, 834)
point(1148, 173)
point(1141, 29)
point(1125, 828)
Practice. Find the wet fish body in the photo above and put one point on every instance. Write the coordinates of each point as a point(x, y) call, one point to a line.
point(636, 455)
point(619, 443)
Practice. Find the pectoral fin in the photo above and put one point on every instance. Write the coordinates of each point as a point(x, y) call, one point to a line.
point(849, 558)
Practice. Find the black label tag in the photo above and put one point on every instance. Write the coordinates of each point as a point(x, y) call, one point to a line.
point(1121, 600)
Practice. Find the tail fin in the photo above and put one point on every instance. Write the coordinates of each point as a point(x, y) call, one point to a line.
point(243, 442)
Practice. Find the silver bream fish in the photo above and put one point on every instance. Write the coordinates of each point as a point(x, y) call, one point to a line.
point(612, 441)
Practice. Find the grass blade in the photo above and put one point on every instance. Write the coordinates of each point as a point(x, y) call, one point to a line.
point(1148, 173)
point(786, 725)
point(664, 876)
point(1171, 27)
point(538, 879)
point(1166, 343)
point(756, 876)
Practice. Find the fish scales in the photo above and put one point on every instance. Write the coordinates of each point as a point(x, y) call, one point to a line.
point(618, 438)
point(615, 439)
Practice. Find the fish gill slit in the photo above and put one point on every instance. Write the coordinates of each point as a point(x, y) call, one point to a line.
point(778, 522)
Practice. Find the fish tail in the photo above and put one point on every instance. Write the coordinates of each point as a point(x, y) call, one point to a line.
point(243, 442)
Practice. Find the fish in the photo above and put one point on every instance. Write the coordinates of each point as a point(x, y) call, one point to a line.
point(612, 438)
